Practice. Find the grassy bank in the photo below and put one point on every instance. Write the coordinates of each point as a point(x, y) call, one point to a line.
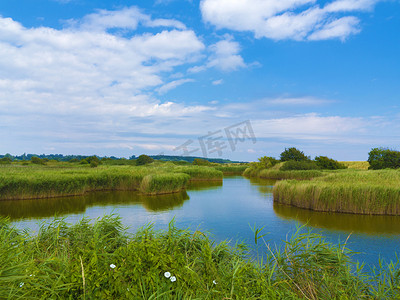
point(359, 165)
point(100, 261)
point(34, 181)
point(362, 192)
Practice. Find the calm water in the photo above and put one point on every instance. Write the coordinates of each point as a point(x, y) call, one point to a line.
point(226, 210)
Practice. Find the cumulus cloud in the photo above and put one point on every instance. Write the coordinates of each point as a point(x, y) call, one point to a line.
point(224, 57)
point(287, 19)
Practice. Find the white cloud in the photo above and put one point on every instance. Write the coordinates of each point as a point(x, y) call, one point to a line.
point(224, 57)
point(297, 101)
point(126, 18)
point(288, 19)
point(172, 85)
point(218, 82)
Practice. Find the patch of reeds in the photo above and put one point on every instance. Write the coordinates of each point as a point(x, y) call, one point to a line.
point(361, 192)
point(154, 184)
point(98, 260)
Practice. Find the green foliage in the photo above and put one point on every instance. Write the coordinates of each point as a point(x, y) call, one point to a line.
point(84, 161)
point(73, 160)
point(201, 162)
point(293, 154)
point(98, 260)
point(299, 165)
point(36, 160)
point(383, 158)
point(143, 160)
point(328, 163)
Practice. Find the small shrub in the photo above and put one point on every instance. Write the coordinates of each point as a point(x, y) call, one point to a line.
point(37, 160)
point(328, 163)
point(201, 162)
point(144, 160)
point(293, 154)
point(94, 164)
point(5, 160)
point(299, 165)
point(73, 160)
point(84, 161)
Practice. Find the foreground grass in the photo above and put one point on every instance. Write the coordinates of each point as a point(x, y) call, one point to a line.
point(100, 261)
point(33, 181)
point(350, 191)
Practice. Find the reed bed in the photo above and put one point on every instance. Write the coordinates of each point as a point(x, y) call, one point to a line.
point(155, 184)
point(361, 192)
point(277, 174)
point(32, 181)
point(231, 169)
point(199, 172)
point(99, 260)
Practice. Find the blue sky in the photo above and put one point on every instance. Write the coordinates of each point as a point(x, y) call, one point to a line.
point(132, 77)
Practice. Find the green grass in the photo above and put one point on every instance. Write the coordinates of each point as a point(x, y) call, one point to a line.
point(99, 260)
point(66, 179)
point(349, 191)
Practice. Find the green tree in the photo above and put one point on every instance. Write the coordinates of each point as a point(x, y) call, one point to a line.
point(37, 160)
point(144, 160)
point(382, 158)
point(293, 154)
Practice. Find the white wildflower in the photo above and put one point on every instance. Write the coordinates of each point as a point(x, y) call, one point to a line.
point(112, 266)
point(167, 274)
point(214, 282)
point(21, 284)
point(173, 278)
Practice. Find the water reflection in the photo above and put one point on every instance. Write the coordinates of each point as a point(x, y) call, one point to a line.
point(264, 186)
point(43, 208)
point(339, 221)
point(204, 185)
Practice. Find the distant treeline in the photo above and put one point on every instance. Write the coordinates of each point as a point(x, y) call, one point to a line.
point(61, 157)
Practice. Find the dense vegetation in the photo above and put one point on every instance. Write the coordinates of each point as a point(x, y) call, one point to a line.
point(61, 179)
point(101, 261)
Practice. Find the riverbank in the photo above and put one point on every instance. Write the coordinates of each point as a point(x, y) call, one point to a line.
point(67, 179)
point(100, 260)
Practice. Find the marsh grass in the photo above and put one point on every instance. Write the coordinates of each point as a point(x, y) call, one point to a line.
point(34, 181)
point(362, 192)
point(276, 174)
point(99, 260)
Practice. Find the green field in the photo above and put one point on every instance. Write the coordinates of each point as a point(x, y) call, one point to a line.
point(19, 181)
point(99, 260)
